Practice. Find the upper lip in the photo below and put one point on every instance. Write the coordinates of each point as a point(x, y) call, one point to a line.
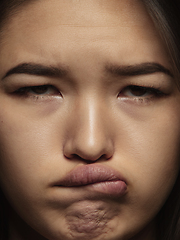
point(89, 174)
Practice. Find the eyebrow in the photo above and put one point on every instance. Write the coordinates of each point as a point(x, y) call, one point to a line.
point(51, 71)
point(38, 70)
point(138, 69)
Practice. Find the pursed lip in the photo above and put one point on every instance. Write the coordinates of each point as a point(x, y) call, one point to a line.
point(90, 174)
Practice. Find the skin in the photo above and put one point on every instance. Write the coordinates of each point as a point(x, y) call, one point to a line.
point(89, 116)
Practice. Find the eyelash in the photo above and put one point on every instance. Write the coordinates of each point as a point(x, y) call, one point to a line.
point(146, 92)
point(45, 91)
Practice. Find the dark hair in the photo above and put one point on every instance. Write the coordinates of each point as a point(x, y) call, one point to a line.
point(166, 17)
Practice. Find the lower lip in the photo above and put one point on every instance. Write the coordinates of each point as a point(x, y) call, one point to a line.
point(113, 188)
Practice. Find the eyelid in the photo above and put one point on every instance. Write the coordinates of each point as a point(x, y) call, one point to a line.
point(28, 91)
point(150, 92)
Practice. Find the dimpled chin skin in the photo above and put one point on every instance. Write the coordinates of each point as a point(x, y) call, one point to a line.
point(88, 114)
point(91, 220)
point(88, 220)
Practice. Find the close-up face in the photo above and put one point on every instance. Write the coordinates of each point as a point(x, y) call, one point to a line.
point(89, 120)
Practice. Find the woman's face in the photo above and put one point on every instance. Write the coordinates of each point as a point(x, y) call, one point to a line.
point(93, 152)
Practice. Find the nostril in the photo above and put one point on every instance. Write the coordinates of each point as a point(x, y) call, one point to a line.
point(88, 159)
point(88, 147)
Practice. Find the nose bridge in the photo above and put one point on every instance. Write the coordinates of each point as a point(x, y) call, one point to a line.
point(91, 123)
point(90, 140)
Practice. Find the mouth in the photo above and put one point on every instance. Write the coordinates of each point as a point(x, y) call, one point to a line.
point(95, 177)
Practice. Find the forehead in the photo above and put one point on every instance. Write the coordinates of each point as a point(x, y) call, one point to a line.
point(85, 13)
point(53, 29)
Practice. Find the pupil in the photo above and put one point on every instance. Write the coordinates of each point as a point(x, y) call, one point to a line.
point(138, 91)
point(40, 89)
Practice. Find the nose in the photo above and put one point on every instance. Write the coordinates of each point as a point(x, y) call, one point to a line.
point(89, 135)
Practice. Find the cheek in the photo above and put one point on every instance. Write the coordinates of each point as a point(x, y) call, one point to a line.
point(30, 153)
point(150, 156)
point(151, 139)
point(26, 151)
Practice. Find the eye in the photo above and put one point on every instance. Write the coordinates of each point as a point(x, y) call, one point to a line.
point(140, 92)
point(42, 90)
